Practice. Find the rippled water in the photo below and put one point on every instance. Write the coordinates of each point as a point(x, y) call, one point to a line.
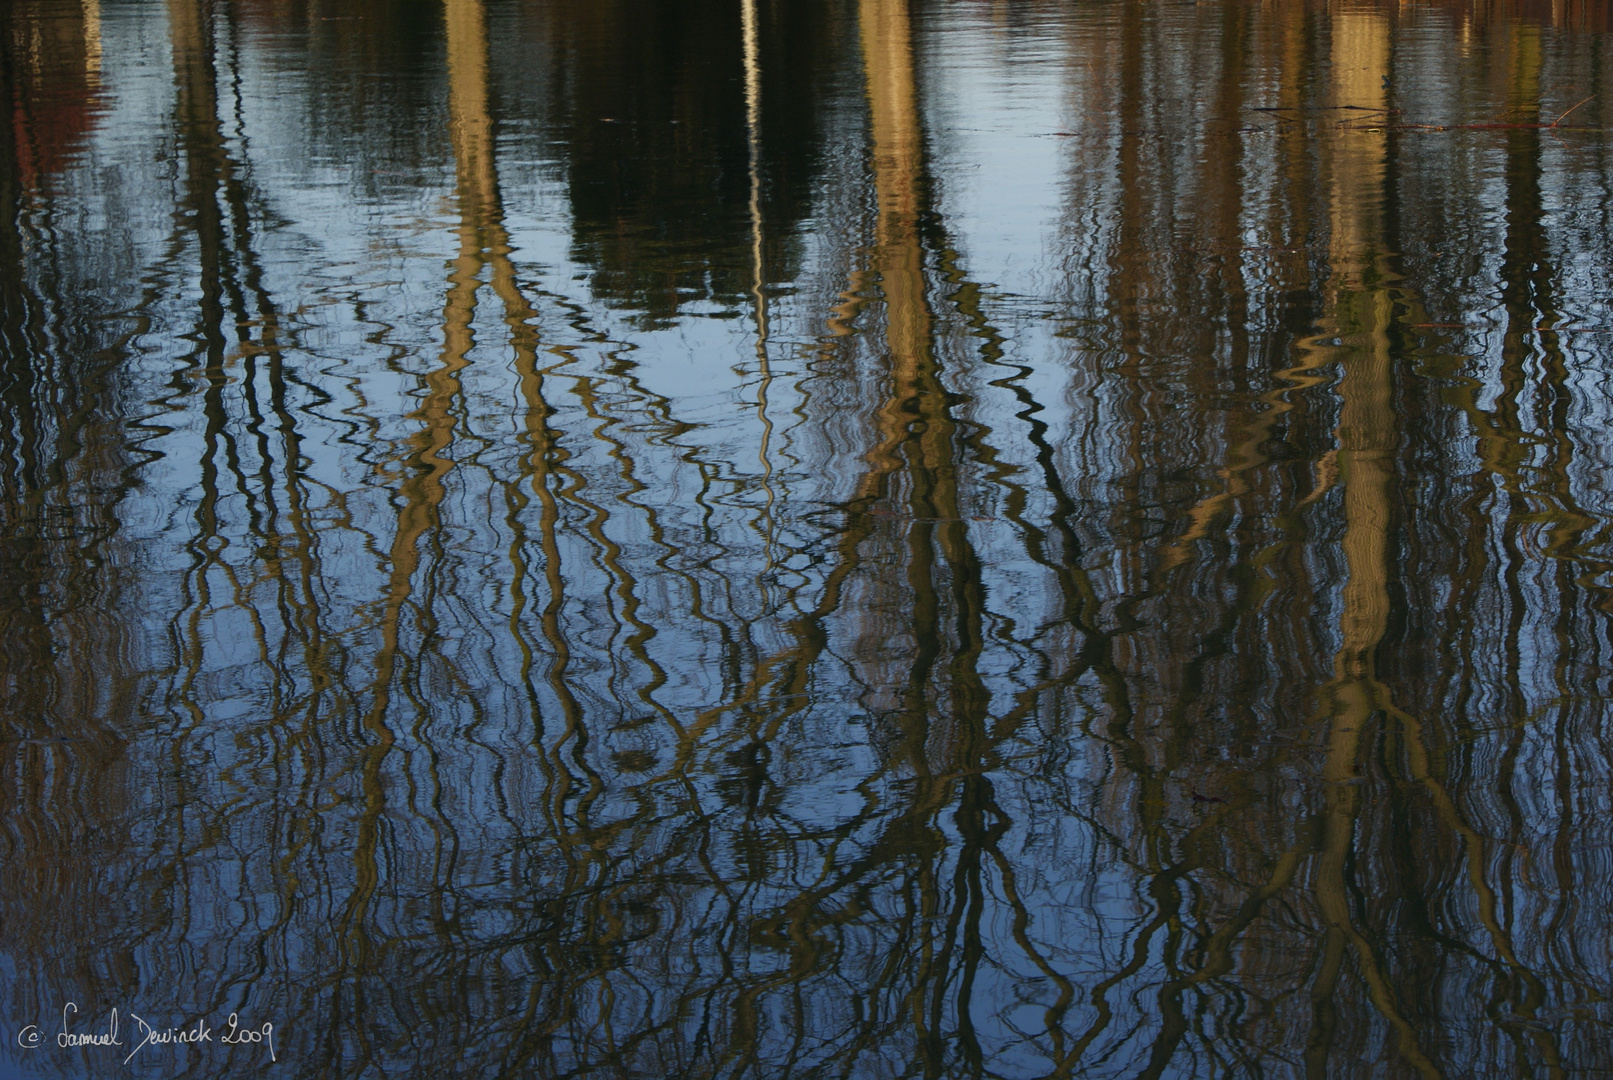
point(807, 538)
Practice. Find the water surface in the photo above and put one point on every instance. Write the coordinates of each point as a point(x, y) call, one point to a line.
point(829, 538)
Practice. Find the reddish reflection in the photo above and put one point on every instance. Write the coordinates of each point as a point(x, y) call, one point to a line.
point(50, 64)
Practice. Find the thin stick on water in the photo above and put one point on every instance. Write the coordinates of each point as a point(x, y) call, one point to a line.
point(1560, 119)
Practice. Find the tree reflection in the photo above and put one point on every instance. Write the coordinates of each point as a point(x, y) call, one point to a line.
point(1193, 668)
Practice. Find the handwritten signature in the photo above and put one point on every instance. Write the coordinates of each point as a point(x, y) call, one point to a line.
point(234, 1034)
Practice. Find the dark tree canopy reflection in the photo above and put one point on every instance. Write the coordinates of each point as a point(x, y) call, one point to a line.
point(849, 538)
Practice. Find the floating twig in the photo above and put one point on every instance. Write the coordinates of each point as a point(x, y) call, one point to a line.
point(1493, 126)
point(1559, 120)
